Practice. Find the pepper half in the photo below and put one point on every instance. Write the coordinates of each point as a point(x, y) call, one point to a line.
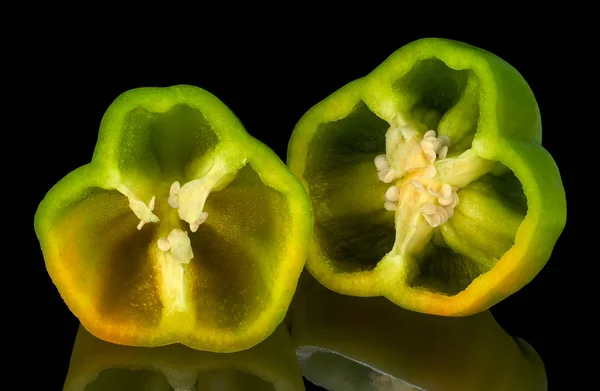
point(347, 343)
point(100, 366)
point(428, 181)
point(183, 228)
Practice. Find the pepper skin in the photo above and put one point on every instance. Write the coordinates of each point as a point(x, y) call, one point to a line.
point(347, 343)
point(429, 183)
point(182, 229)
point(98, 366)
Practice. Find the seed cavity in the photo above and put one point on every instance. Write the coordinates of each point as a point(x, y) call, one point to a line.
point(407, 146)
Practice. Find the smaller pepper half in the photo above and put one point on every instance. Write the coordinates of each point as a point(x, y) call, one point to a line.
point(182, 229)
point(429, 182)
point(97, 365)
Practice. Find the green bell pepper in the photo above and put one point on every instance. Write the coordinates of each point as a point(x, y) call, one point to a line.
point(428, 181)
point(97, 365)
point(347, 343)
point(183, 228)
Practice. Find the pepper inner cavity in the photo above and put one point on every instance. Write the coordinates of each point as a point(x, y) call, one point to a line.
point(425, 182)
point(174, 245)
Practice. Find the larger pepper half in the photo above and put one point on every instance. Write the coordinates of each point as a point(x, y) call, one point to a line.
point(183, 228)
point(429, 182)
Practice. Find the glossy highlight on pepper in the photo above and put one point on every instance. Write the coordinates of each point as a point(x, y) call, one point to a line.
point(429, 182)
point(182, 229)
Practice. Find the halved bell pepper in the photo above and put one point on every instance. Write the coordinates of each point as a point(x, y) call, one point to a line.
point(428, 181)
point(183, 228)
point(347, 343)
point(97, 365)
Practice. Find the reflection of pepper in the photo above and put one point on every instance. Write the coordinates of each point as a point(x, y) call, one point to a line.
point(428, 181)
point(98, 365)
point(141, 253)
point(349, 344)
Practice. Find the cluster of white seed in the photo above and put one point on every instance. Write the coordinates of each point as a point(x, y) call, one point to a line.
point(385, 173)
point(433, 148)
point(447, 199)
point(164, 244)
point(391, 198)
point(177, 242)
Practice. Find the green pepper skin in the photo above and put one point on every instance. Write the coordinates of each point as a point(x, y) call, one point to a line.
point(97, 365)
point(508, 219)
point(341, 338)
point(223, 285)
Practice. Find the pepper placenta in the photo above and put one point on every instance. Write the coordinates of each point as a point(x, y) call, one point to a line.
point(428, 181)
point(183, 228)
point(347, 343)
point(97, 365)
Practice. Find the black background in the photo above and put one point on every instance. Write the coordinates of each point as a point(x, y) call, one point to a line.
point(268, 80)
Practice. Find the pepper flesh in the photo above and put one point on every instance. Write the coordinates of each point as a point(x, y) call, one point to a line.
point(98, 365)
point(211, 263)
point(438, 116)
point(347, 343)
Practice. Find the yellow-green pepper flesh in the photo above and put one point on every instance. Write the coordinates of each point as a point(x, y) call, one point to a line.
point(107, 262)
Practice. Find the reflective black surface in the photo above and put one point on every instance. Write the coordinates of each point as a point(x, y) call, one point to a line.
point(268, 83)
point(339, 342)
